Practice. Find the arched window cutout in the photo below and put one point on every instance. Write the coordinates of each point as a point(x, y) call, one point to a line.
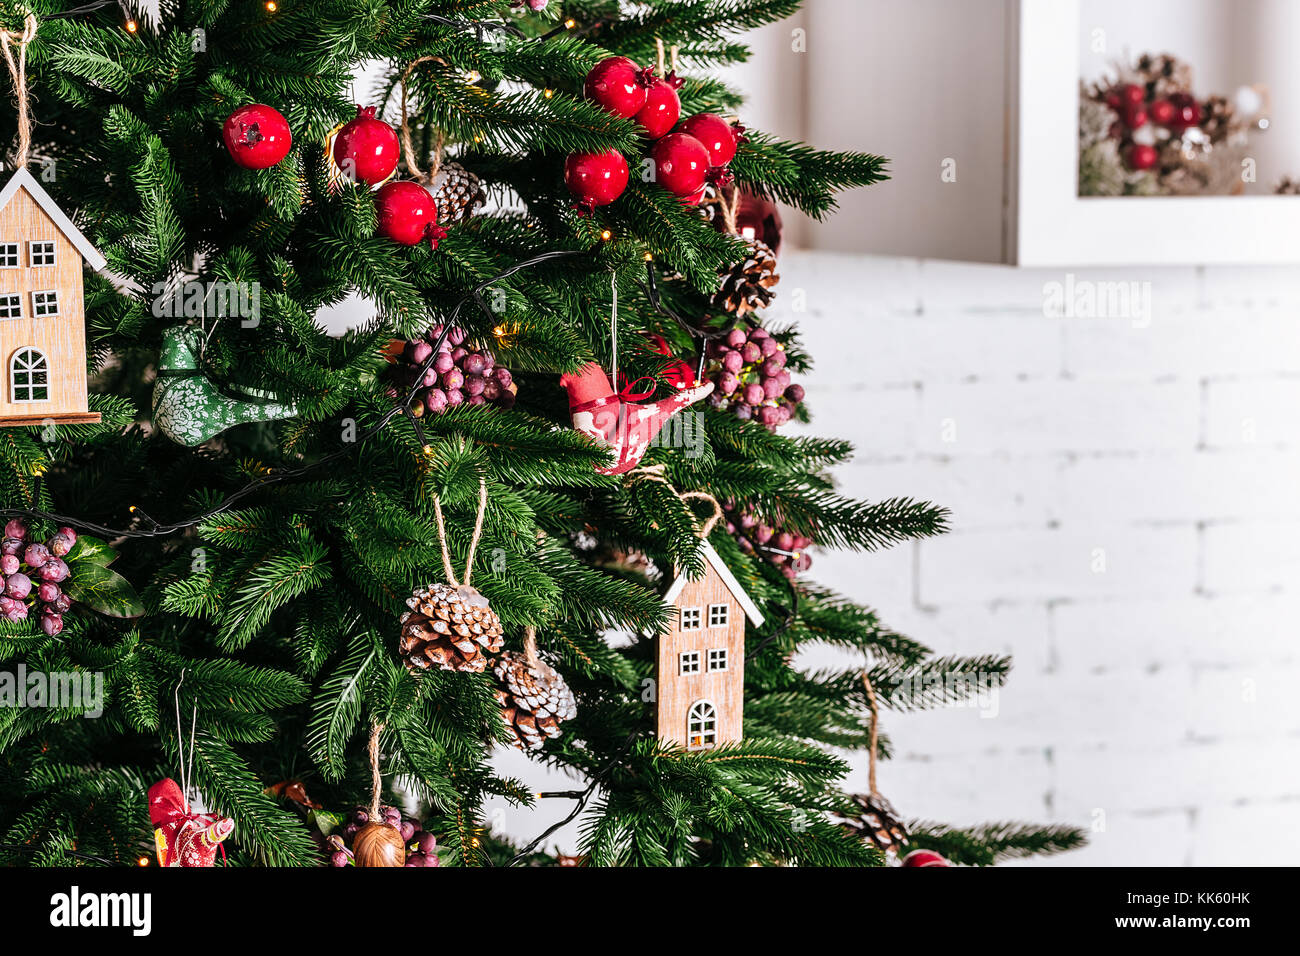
point(29, 376)
point(701, 726)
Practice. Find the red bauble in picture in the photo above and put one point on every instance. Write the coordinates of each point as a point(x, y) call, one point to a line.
point(256, 136)
point(1131, 94)
point(618, 85)
point(1162, 112)
point(1134, 116)
point(681, 163)
point(366, 148)
point(1142, 157)
point(596, 179)
point(717, 135)
point(407, 213)
point(925, 858)
point(1187, 112)
point(662, 107)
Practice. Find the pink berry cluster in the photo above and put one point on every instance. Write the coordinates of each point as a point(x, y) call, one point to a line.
point(32, 573)
point(788, 550)
point(750, 378)
point(421, 846)
point(458, 376)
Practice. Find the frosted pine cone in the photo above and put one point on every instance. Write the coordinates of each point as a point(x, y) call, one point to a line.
point(534, 699)
point(878, 824)
point(747, 285)
point(449, 628)
point(457, 193)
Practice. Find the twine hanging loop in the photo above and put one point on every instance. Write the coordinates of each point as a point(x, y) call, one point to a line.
point(408, 147)
point(473, 542)
point(18, 72)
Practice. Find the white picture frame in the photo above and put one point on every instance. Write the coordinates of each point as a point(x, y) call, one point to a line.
point(1049, 224)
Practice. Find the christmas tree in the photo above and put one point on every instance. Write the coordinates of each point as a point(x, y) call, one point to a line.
point(344, 569)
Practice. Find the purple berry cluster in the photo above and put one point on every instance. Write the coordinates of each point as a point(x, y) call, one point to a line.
point(32, 573)
point(458, 376)
point(788, 550)
point(421, 846)
point(750, 378)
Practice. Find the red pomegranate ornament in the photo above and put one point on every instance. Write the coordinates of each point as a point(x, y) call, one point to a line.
point(718, 136)
point(925, 858)
point(681, 164)
point(662, 107)
point(618, 85)
point(595, 179)
point(366, 148)
point(257, 136)
point(408, 214)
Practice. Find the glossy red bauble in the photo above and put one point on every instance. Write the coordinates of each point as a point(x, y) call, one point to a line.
point(366, 148)
point(1134, 116)
point(618, 85)
point(662, 109)
point(681, 163)
point(1131, 94)
point(717, 135)
point(257, 136)
point(1142, 157)
point(596, 179)
point(407, 213)
point(925, 858)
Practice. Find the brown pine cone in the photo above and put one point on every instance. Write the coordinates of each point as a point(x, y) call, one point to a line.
point(1164, 73)
point(747, 285)
point(878, 824)
point(457, 193)
point(449, 628)
point(534, 699)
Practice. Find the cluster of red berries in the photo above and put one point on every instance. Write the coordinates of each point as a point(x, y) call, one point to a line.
point(458, 375)
point(685, 160)
point(1138, 118)
point(31, 573)
point(787, 550)
point(421, 846)
point(750, 378)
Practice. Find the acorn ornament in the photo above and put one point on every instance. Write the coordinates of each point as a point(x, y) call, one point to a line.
point(365, 149)
point(256, 136)
point(378, 844)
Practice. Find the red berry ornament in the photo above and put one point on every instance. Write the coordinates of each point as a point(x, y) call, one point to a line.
point(662, 107)
point(408, 214)
point(925, 858)
point(618, 85)
point(1142, 157)
point(681, 163)
point(366, 148)
point(717, 135)
point(595, 179)
point(1135, 116)
point(256, 136)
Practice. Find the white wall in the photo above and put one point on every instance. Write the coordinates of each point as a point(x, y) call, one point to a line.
point(1154, 697)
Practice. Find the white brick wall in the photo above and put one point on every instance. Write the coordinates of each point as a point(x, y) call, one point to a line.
point(1153, 695)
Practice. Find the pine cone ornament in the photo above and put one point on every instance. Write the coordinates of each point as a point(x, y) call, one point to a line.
point(449, 628)
point(747, 285)
point(1164, 74)
point(457, 193)
point(534, 699)
point(878, 824)
point(1219, 119)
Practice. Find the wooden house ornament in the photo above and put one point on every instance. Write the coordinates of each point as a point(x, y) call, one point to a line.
point(42, 308)
point(700, 682)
